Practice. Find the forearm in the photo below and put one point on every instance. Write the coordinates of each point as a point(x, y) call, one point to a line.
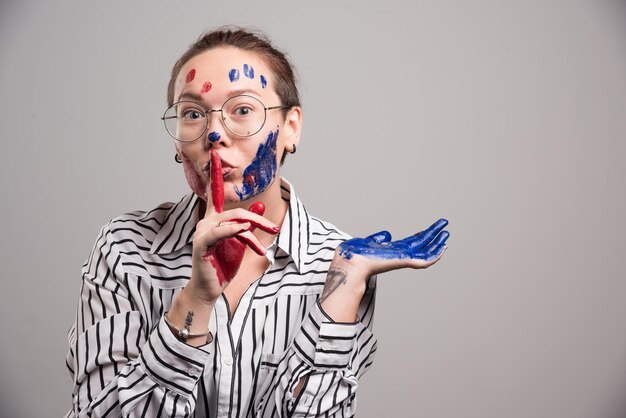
point(119, 370)
point(319, 373)
point(188, 307)
point(344, 289)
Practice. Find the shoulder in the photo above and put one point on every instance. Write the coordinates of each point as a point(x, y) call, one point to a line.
point(323, 240)
point(125, 243)
point(135, 230)
point(323, 230)
point(140, 224)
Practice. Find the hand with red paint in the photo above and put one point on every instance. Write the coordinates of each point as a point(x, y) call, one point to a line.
point(221, 238)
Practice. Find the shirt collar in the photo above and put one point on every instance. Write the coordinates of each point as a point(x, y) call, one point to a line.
point(295, 231)
point(180, 224)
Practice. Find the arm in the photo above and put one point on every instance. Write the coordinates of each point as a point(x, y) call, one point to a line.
point(318, 374)
point(120, 362)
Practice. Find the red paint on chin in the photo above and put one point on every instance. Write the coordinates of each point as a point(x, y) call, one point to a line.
point(191, 75)
point(206, 87)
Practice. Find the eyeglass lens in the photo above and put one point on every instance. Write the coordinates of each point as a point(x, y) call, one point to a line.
point(242, 115)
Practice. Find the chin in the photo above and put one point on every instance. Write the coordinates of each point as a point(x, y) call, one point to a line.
point(230, 195)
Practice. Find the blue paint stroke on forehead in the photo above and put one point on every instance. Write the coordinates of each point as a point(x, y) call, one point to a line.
point(233, 75)
point(260, 174)
point(214, 136)
point(248, 71)
point(263, 81)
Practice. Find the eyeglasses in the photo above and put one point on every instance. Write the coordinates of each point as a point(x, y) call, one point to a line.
point(242, 115)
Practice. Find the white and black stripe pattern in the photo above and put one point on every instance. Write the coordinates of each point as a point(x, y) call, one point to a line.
point(125, 361)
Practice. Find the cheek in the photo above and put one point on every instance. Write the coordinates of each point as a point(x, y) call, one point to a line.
point(261, 172)
point(193, 179)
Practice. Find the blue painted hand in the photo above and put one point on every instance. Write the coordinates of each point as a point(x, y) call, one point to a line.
point(382, 254)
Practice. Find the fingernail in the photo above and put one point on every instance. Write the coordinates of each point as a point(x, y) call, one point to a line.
point(276, 229)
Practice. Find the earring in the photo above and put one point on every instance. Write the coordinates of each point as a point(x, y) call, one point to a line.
point(293, 151)
point(177, 158)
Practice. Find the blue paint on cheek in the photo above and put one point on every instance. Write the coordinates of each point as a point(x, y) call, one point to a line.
point(260, 174)
point(248, 71)
point(233, 75)
point(263, 81)
point(214, 137)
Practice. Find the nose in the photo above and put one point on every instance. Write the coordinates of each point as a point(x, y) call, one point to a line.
point(215, 128)
point(214, 136)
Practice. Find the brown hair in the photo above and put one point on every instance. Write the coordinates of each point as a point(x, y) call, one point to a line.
point(285, 83)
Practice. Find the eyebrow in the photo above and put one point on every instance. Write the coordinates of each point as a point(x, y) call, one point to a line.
point(231, 93)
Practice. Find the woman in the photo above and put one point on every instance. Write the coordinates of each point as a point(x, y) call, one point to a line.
point(233, 301)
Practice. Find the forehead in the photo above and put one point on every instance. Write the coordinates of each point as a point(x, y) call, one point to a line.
point(217, 72)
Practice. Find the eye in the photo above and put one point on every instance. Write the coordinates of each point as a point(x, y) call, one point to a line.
point(192, 114)
point(243, 110)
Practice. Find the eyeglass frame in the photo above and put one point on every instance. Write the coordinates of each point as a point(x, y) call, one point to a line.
point(209, 111)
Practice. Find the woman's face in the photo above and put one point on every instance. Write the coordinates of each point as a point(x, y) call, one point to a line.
point(250, 164)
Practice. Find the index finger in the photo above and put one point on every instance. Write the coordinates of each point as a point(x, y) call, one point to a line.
point(215, 188)
point(426, 236)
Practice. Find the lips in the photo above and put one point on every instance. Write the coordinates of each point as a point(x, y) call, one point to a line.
point(226, 171)
point(227, 168)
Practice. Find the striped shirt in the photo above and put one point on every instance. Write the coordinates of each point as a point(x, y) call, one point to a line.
point(125, 361)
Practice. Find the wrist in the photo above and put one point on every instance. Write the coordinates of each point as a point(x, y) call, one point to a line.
point(356, 271)
point(343, 291)
point(191, 313)
point(197, 294)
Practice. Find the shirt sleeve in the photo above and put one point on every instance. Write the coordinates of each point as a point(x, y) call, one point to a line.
point(122, 363)
point(331, 357)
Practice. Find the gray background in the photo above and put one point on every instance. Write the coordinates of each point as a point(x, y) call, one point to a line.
point(506, 117)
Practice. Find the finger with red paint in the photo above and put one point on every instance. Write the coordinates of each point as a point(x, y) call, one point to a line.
point(215, 187)
point(248, 238)
point(243, 215)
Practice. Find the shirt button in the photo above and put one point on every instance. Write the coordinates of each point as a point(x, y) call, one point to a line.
point(192, 372)
point(228, 361)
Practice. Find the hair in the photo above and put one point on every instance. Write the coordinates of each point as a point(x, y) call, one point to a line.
point(247, 40)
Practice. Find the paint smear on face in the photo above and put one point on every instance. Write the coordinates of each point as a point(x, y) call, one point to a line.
point(233, 75)
point(263, 81)
point(206, 87)
point(193, 179)
point(191, 75)
point(260, 174)
point(214, 136)
point(248, 71)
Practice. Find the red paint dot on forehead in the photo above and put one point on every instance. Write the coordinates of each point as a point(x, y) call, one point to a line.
point(206, 87)
point(191, 75)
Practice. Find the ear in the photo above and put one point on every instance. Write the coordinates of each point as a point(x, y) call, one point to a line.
point(292, 128)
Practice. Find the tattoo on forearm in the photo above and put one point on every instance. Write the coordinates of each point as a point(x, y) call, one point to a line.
point(189, 319)
point(336, 277)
